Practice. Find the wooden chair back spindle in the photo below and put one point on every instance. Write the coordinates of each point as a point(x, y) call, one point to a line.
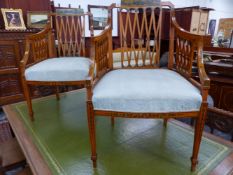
point(186, 45)
point(184, 56)
point(140, 36)
point(70, 32)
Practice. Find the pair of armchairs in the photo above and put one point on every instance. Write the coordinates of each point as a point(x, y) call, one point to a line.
point(138, 89)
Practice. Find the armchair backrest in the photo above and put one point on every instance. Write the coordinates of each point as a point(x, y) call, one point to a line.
point(139, 31)
point(70, 33)
point(101, 51)
point(41, 45)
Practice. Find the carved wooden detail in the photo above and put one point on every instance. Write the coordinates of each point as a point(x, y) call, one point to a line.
point(146, 115)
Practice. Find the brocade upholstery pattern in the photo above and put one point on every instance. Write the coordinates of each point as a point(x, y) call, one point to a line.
point(145, 90)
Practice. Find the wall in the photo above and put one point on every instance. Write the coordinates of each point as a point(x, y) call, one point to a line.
point(223, 8)
point(84, 3)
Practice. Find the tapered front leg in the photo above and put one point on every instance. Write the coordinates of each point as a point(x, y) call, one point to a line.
point(57, 92)
point(165, 122)
point(91, 126)
point(27, 96)
point(91, 122)
point(199, 127)
point(112, 121)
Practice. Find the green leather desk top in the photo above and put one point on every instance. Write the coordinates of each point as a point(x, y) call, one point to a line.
point(133, 146)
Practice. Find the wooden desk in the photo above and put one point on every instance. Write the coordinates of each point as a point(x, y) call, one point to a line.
point(31, 152)
point(219, 51)
point(38, 163)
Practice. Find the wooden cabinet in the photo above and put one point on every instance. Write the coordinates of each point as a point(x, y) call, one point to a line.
point(220, 72)
point(222, 92)
point(193, 19)
point(11, 51)
point(9, 77)
point(199, 21)
point(12, 45)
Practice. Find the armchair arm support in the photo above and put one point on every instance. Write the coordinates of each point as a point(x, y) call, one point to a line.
point(101, 52)
point(24, 61)
point(204, 79)
point(191, 42)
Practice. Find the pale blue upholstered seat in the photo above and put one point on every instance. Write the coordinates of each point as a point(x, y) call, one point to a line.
point(145, 90)
point(59, 69)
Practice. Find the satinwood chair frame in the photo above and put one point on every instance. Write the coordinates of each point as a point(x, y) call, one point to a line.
point(102, 55)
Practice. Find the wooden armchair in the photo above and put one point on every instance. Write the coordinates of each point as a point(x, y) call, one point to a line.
point(143, 90)
point(41, 65)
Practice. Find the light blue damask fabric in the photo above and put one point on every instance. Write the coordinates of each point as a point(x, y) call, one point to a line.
point(59, 69)
point(145, 90)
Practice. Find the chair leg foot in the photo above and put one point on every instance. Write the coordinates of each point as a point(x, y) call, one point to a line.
point(28, 100)
point(199, 126)
point(112, 121)
point(31, 114)
point(94, 161)
point(194, 164)
point(91, 127)
point(165, 122)
point(57, 93)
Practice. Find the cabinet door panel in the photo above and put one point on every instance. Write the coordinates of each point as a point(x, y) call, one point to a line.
point(203, 23)
point(9, 54)
point(10, 85)
point(195, 22)
point(215, 93)
point(227, 98)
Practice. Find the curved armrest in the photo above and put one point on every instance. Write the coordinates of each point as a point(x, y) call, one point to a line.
point(101, 52)
point(186, 44)
point(204, 79)
point(24, 61)
point(40, 46)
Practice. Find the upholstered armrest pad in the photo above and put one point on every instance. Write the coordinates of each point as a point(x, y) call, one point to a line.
point(145, 90)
